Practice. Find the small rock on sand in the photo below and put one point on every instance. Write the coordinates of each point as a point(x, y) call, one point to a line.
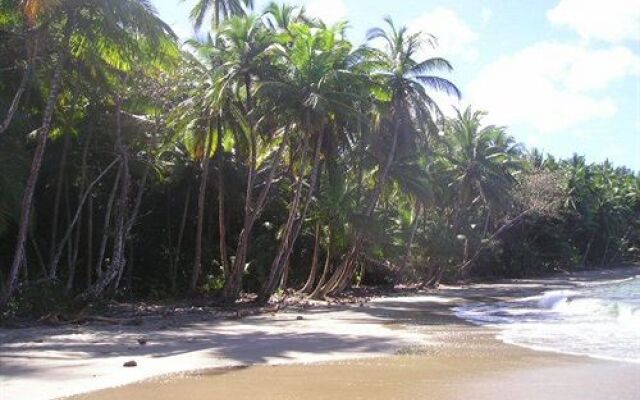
point(299, 318)
point(131, 363)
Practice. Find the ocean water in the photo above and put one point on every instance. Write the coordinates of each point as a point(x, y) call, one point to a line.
point(600, 320)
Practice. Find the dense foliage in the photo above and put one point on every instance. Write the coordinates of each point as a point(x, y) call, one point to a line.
point(269, 154)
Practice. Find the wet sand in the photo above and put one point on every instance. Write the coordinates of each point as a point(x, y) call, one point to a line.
point(336, 354)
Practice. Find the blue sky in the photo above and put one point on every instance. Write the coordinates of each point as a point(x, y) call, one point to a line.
point(563, 75)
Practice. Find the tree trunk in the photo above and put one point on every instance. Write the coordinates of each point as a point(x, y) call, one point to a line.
point(216, 14)
point(312, 185)
point(37, 252)
point(412, 236)
point(222, 227)
point(606, 250)
point(130, 268)
point(311, 279)
point(21, 89)
point(275, 274)
point(588, 249)
point(317, 292)
point(83, 184)
point(27, 198)
point(107, 222)
point(233, 285)
point(197, 260)
point(344, 272)
point(89, 269)
point(56, 201)
point(183, 223)
point(118, 260)
point(131, 219)
point(53, 267)
point(504, 228)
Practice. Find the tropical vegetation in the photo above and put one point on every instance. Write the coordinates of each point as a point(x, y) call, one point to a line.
point(269, 155)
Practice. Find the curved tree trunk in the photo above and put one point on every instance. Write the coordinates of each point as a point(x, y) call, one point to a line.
point(275, 273)
point(414, 228)
point(131, 218)
point(311, 279)
point(118, 259)
point(197, 259)
point(305, 209)
point(27, 198)
point(89, 269)
point(317, 292)
point(233, 285)
point(56, 203)
point(107, 222)
point(21, 89)
point(176, 261)
point(343, 274)
point(222, 227)
point(53, 267)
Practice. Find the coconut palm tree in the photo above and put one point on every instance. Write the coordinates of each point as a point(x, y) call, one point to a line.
point(482, 161)
point(314, 92)
point(403, 88)
point(245, 42)
point(220, 9)
point(278, 18)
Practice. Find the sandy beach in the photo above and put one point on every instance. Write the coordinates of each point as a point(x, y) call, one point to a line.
point(338, 346)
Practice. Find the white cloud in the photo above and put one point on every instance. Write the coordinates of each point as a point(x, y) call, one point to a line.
point(551, 86)
point(596, 69)
point(486, 15)
point(611, 20)
point(455, 37)
point(329, 11)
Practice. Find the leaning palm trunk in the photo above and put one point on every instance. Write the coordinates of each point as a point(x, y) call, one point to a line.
point(21, 89)
point(305, 209)
point(197, 260)
point(317, 292)
point(118, 259)
point(106, 226)
point(27, 198)
point(311, 279)
point(343, 274)
point(414, 228)
point(222, 227)
point(464, 269)
point(281, 263)
point(131, 218)
point(53, 267)
point(89, 270)
point(233, 285)
point(57, 200)
point(76, 245)
point(275, 274)
point(176, 260)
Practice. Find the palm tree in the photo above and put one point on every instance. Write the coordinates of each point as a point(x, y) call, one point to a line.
point(245, 42)
point(482, 161)
point(220, 9)
point(195, 120)
point(314, 93)
point(278, 18)
point(404, 103)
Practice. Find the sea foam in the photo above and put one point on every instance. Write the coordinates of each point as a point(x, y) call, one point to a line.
point(601, 321)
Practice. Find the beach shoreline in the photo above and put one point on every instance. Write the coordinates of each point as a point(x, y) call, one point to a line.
point(46, 363)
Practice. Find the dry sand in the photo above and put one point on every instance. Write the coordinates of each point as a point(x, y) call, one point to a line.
point(448, 358)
